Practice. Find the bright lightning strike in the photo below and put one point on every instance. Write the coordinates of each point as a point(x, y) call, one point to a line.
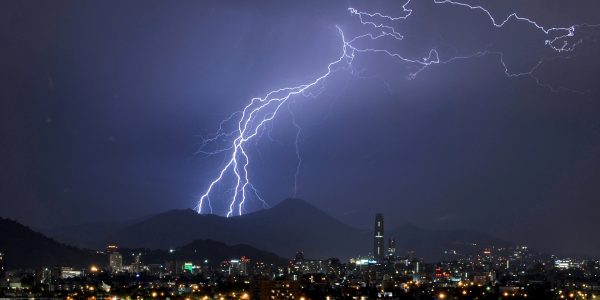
point(259, 112)
point(253, 118)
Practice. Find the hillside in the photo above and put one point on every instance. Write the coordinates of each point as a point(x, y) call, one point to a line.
point(25, 248)
point(291, 226)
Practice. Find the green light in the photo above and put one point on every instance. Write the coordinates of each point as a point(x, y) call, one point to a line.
point(188, 266)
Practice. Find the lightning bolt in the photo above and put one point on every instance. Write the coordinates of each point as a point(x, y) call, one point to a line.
point(562, 32)
point(259, 112)
point(253, 118)
point(297, 148)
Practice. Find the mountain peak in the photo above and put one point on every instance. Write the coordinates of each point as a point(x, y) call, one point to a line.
point(294, 202)
point(292, 208)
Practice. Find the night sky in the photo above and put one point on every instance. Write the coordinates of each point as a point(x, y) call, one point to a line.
point(104, 105)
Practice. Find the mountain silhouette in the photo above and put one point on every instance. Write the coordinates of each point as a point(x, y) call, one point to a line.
point(24, 248)
point(284, 229)
point(28, 249)
point(290, 226)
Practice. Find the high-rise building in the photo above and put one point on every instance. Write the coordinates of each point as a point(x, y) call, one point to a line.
point(116, 262)
point(391, 249)
point(378, 243)
point(43, 276)
point(234, 267)
point(136, 266)
point(244, 262)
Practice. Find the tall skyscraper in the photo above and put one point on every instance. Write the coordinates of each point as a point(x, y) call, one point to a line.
point(116, 262)
point(378, 247)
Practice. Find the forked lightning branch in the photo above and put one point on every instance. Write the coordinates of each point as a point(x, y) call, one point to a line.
point(252, 119)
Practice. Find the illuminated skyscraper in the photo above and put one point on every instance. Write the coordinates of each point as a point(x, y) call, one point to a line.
point(378, 247)
point(116, 262)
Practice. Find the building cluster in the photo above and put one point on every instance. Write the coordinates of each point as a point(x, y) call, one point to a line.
point(488, 273)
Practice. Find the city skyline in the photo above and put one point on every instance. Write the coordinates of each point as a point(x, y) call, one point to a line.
point(488, 273)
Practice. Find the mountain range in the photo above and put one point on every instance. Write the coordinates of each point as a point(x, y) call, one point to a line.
point(291, 226)
point(24, 248)
point(270, 235)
